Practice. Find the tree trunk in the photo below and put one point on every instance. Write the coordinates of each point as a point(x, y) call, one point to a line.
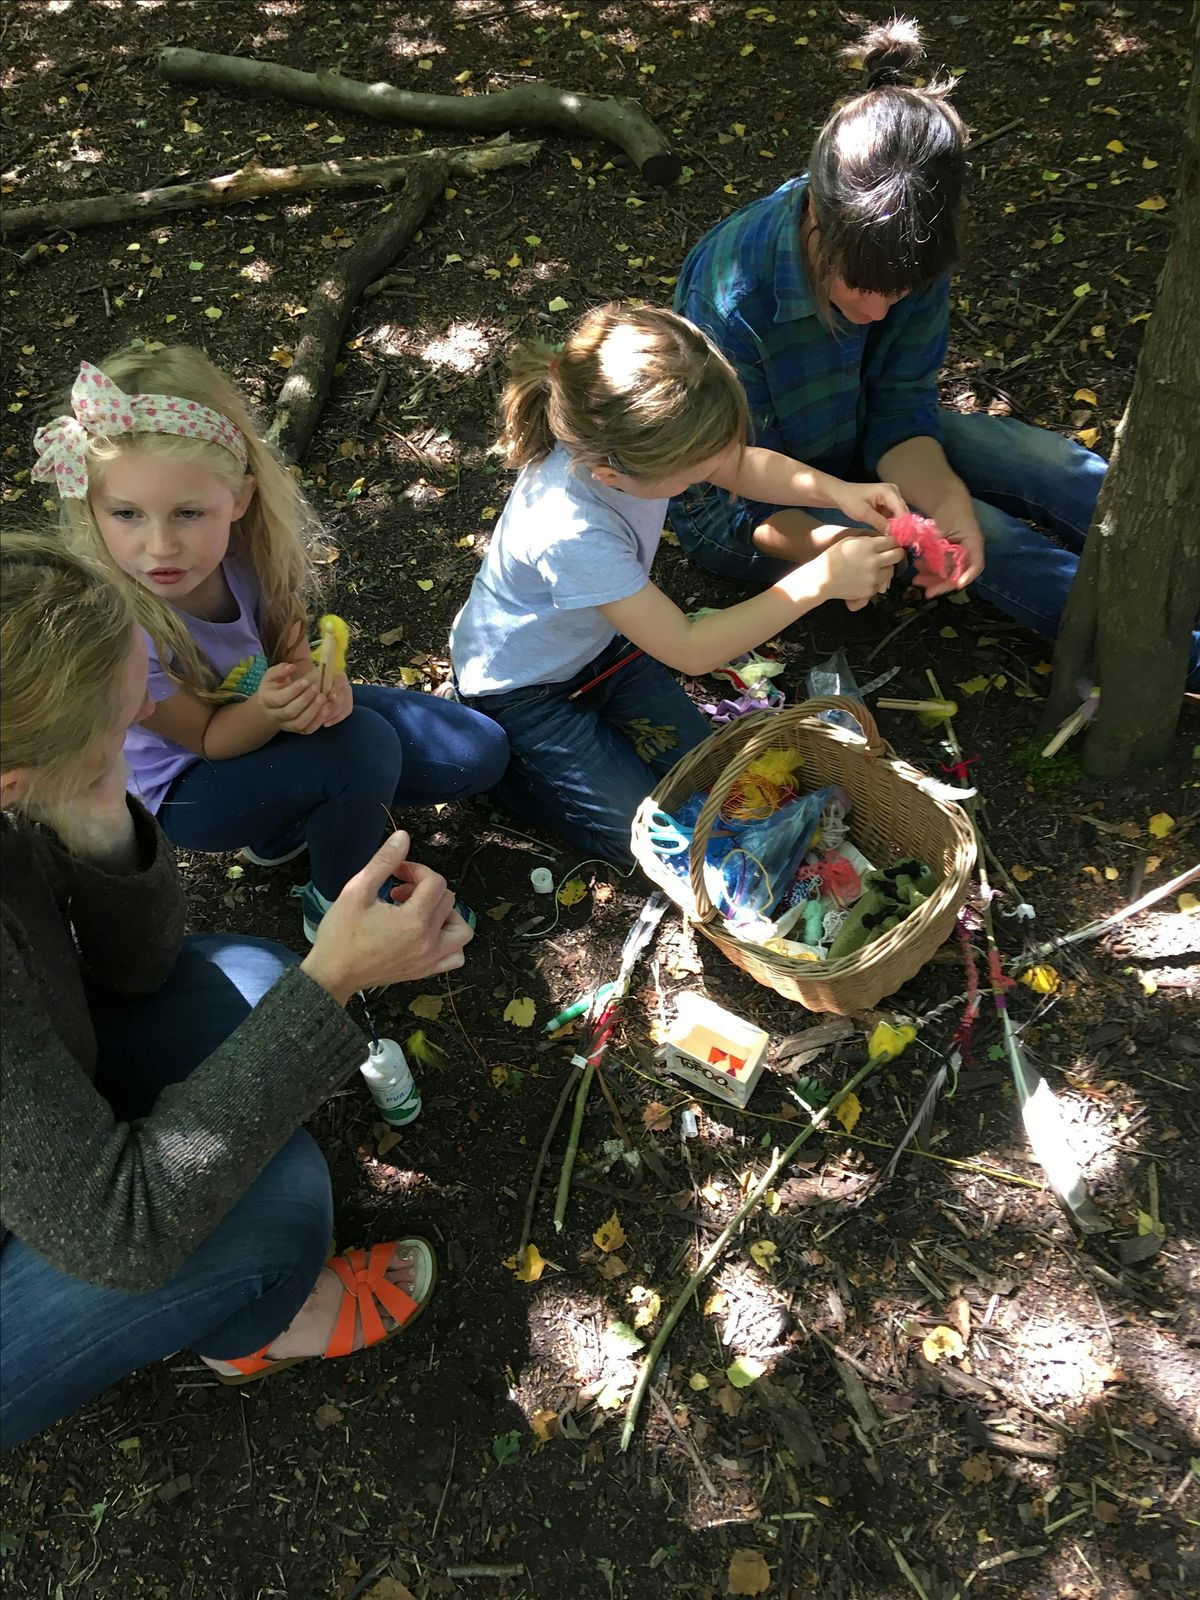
point(1134, 602)
point(252, 181)
point(532, 105)
point(329, 307)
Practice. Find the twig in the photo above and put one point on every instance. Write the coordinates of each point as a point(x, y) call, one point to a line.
point(446, 1489)
point(716, 1249)
point(996, 133)
point(478, 1569)
point(687, 1443)
point(1095, 930)
point(539, 1168)
point(568, 1162)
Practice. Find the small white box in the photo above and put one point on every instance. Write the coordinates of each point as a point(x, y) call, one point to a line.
point(715, 1050)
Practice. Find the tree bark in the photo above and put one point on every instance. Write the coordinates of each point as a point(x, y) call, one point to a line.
point(532, 105)
point(251, 181)
point(1134, 603)
point(329, 307)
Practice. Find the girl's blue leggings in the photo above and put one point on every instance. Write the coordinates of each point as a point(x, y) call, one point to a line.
point(343, 787)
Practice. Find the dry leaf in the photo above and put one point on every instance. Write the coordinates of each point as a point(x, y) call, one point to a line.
point(530, 1267)
point(656, 1117)
point(730, 1400)
point(327, 1416)
point(392, 635)
point(849, 1111)
point(650, 1307)
point(612, 1267)
point(748, 1573)
point(1088, 437)
point(609, 1235)
point(545, 1425)
point(498, 913)
point(763, 1252)
point(1086, 395)
point(387, 1141)
point(1155, 203)
point(1020, 874)
point(977, 1469)
point(717, 1302)
point(943, 1341)
point(520, 1011)
point(428, 1006)
point(1042, 980)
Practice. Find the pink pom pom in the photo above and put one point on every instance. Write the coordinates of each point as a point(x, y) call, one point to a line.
point(935, 558)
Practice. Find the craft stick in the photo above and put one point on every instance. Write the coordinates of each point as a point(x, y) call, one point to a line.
point(326, 656)
point(935, 708)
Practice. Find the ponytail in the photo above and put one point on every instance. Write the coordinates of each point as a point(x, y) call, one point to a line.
point(525, 432)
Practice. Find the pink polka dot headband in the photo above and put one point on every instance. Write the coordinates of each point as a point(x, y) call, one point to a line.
point(102, 411)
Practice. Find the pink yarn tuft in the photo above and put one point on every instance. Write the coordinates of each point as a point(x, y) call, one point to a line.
point(935, 557)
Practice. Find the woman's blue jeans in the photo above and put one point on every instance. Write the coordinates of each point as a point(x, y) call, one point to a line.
point(63, 1340)
point(1018, 476)
point(340, 787)
point(580, 768)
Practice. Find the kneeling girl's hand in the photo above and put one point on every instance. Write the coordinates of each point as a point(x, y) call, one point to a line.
point(291, 699)
point(872, 504)
point(857, 567)
point(363, 941)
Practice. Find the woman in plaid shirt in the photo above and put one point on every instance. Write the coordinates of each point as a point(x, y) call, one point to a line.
point(831, 299)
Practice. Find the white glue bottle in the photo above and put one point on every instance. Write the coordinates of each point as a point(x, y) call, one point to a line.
point(391, 1083)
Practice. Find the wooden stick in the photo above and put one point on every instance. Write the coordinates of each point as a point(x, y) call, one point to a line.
point(330, 304)
point(252, 181)
point(532, 105)
point(935, 708)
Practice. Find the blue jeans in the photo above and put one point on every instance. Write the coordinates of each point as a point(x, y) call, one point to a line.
point(340, 785)
point(64, 1340)
point(1018, 476)
point(581, 768)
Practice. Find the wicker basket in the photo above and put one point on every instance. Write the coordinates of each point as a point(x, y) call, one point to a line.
point(891, 817)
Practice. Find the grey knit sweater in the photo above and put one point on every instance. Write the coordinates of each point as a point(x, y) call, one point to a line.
point(116, 1203)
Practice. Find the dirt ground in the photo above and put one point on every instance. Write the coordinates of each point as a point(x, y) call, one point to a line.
point(1056, 1455)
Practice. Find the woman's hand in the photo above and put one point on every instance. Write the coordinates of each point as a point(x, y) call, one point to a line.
point(290, 698)
point(363, 941)
point(872, 504)
point(960, 526)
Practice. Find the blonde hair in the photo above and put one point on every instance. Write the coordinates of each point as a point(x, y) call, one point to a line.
point(65, 634)
point(273, 536)
point(634, 388)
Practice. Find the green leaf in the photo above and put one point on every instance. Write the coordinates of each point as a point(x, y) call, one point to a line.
point(745, 1371)
point(506, 1447)
point(620, 1340)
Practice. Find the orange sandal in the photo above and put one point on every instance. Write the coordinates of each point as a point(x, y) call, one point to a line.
point(364, 1282)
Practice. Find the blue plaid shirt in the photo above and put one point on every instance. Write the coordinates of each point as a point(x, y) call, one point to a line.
point(837, 399)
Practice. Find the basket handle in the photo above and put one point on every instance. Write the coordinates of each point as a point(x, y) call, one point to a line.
point(761, 729)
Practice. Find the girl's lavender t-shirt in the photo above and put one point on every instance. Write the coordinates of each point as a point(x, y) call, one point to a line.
point(235, 652)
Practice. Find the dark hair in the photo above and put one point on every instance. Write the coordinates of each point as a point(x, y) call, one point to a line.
point(886, 173)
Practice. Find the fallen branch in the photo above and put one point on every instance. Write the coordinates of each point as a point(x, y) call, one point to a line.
point(532, 105)
point(251, 182)
point(1096, 930)
point(329, 307)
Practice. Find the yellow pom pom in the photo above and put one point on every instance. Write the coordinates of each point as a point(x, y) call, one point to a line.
point(329, 652)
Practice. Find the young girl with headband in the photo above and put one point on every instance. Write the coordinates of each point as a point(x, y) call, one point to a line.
point(637, 405)
point(162, 473)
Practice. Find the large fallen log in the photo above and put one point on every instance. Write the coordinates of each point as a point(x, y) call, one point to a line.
point(251, 182)
point(531, 105)
point(330, 304)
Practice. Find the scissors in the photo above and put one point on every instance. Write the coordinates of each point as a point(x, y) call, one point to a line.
point(666, 836)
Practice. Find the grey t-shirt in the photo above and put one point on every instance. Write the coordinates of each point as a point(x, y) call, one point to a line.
point(564, 545)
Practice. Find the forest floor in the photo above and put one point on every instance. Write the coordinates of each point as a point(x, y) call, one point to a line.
point(1057, 1456)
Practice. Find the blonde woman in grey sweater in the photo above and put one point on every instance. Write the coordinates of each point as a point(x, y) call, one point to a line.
point(156, 1188)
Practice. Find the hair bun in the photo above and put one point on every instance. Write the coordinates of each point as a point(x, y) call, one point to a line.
point(890, 52)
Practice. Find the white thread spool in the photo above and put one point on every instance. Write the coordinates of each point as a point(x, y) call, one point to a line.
point(542, 880)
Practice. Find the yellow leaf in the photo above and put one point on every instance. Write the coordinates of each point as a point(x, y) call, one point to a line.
point(1111, 874)
point(949, 633)
point(543, 1422)
point(336, 138)
point(463, 77)
point(577, 164)
point(520, 1011)
point(425, 66)
point(745, 1371)
point(449, 194)
point(1042, 980)
point(609, 1235)
point(428, 1006)
point(213, 313)
point(1088, 396)
point(748, 1573)
point(1160, 824)
point(1088, 437)
point(487, 513)
point(533, 239)
point(1115, 145)
point(772, 1201)
point(888, 1042)
point(1152, 864)
point(1189, 905)
point(849, 1111)
point(572, 892)
point(1154, 203)
point(1148, 165)
point(192, 127)
point(425, 583)
point(514, 260)
point(746, 50)
point(633, 201)
point(648, 1310)
point(979, 685)
point(1081, 289)
point(1020, 873)
point(1149, 984)
point(530, 1266)
point(698, 1382)
point(557, 304)
point(763, 1253)
point(716, 1303)
point(499, 1076)
point(943, 1341)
